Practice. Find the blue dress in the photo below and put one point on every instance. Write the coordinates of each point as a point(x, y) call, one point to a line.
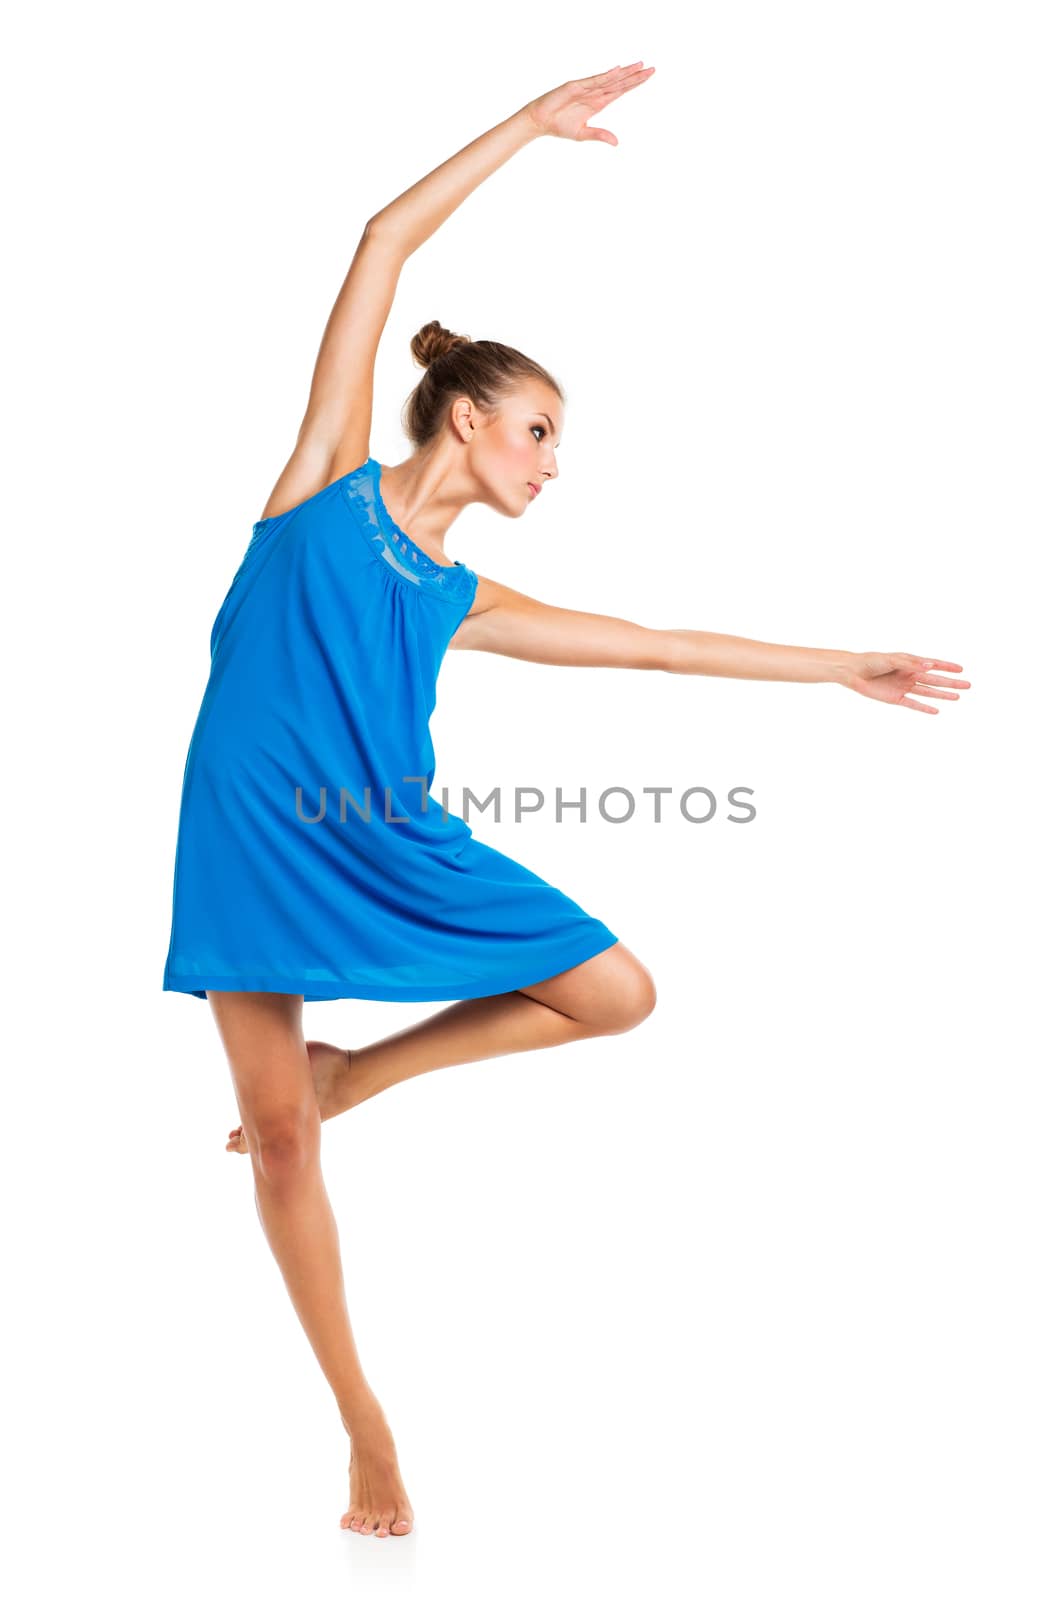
point(288, 876)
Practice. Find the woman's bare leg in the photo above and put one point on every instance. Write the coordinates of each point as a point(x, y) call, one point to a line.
point(610, 993)
point(273, 1084)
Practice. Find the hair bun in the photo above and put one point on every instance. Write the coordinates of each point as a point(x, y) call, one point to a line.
point(433, 341)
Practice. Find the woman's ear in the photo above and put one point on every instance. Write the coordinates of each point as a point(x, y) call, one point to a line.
point(462, 415)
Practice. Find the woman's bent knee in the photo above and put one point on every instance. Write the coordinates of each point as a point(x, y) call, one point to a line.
point(625, 994)
point(609, 993)
point(632, 1002)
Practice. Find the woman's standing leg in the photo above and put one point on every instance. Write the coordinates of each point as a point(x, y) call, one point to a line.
point(263, 1039)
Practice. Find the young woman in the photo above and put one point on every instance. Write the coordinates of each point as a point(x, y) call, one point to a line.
point(310, 864)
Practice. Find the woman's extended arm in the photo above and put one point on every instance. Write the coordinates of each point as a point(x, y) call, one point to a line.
point(510, 623)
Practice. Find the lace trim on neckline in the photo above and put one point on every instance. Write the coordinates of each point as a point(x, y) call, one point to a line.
point(395, 548)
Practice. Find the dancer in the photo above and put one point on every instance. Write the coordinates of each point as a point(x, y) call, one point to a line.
point(312, 862)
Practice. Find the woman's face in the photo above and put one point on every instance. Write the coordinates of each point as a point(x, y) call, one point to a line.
point(516, 448)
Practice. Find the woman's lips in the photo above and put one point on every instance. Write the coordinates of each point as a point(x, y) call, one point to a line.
point(535, 488)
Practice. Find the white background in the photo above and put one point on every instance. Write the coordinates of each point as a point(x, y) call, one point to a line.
point(745, 1302)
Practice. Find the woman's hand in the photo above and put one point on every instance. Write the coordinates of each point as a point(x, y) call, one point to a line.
point(893, 678)
point(565, 110)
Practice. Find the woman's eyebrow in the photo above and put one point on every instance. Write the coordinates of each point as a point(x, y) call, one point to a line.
point(548, 419)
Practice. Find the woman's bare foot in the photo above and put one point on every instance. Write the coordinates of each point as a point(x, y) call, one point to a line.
point(378, 1500)
point(330, 1067)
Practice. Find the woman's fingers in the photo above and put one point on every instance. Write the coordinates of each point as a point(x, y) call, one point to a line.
point(598, 77)
point(615, 80)
point(624, 80)
point(615, 90)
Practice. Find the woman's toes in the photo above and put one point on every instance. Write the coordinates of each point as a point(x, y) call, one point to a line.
point(376, 1522)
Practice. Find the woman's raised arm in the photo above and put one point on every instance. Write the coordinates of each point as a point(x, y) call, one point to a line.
point(335, 433)
point(562, 112)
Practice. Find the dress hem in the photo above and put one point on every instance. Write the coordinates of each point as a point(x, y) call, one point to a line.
point(242, 983)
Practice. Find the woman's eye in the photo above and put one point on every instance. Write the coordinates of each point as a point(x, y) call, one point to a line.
point(536, 428)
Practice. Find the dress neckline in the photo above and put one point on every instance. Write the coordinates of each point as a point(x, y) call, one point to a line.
point(400, 539)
